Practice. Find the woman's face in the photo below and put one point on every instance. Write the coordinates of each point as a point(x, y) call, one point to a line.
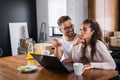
point(86, 32)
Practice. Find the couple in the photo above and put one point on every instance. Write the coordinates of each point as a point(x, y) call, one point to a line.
point(88, 47)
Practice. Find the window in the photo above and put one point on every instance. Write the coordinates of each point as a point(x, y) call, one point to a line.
point(56, 8)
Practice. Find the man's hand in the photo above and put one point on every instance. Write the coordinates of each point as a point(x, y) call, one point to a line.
point(56, 42)
point(68, 60)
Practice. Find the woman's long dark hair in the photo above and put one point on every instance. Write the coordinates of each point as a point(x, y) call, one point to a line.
point(97, 35)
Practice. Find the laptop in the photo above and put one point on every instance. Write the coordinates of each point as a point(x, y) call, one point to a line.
point(53, 63)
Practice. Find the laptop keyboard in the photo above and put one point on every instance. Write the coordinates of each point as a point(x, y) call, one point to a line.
point(68, 66)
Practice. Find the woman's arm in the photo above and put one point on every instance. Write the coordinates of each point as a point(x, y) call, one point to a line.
point(107, 60)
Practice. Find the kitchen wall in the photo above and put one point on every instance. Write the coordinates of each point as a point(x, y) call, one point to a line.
point(42, 15)
point(16, 11)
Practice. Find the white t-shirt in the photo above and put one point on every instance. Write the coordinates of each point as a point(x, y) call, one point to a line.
point(67, 47)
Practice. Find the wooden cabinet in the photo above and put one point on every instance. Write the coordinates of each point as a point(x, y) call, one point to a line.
point(44, 46)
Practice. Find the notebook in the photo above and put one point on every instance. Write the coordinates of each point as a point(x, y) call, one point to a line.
point(53, 63)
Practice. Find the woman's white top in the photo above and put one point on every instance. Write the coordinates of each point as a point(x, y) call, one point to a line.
point(102, 58)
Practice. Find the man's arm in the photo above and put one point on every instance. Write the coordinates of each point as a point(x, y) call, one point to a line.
point(58, 52)
point(57, 44)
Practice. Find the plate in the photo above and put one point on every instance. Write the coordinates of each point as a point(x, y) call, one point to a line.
point(27, 68)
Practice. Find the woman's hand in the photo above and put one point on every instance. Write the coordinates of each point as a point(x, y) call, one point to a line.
point(79, 40)
point(68, 60)
point(86, 66)
point(56, 42)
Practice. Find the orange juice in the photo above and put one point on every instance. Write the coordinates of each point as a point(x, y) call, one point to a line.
point(31, 60)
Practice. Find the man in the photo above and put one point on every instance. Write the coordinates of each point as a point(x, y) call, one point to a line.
point(63, 47)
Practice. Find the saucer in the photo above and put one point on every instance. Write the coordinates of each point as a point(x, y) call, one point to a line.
point(27, 68)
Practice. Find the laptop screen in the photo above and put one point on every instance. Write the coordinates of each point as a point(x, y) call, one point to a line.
point(52, 63)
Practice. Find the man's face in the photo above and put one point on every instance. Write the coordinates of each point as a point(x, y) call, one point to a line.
point(67, 28)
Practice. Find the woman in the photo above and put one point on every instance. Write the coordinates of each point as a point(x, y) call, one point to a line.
point(90, 48)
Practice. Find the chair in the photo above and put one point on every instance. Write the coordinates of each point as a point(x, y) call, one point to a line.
point(1, 52)
point(116, 58)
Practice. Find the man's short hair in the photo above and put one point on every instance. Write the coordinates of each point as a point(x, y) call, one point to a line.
point(63, 19)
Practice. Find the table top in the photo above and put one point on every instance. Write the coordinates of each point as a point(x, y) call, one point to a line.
point(9, 65)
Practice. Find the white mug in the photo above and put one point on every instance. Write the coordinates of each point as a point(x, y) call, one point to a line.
point(45, 52)
point(78, 68)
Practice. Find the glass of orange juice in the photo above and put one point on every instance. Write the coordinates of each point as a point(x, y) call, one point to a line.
point(30, 59)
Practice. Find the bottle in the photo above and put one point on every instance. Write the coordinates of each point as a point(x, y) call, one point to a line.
point(30, 47)
point(29, 52)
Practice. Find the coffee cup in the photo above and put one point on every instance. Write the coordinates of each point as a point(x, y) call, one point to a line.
point(45, 52)
point(78, 68)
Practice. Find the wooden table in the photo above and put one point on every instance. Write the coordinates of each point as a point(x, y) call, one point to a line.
point(8, 71)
